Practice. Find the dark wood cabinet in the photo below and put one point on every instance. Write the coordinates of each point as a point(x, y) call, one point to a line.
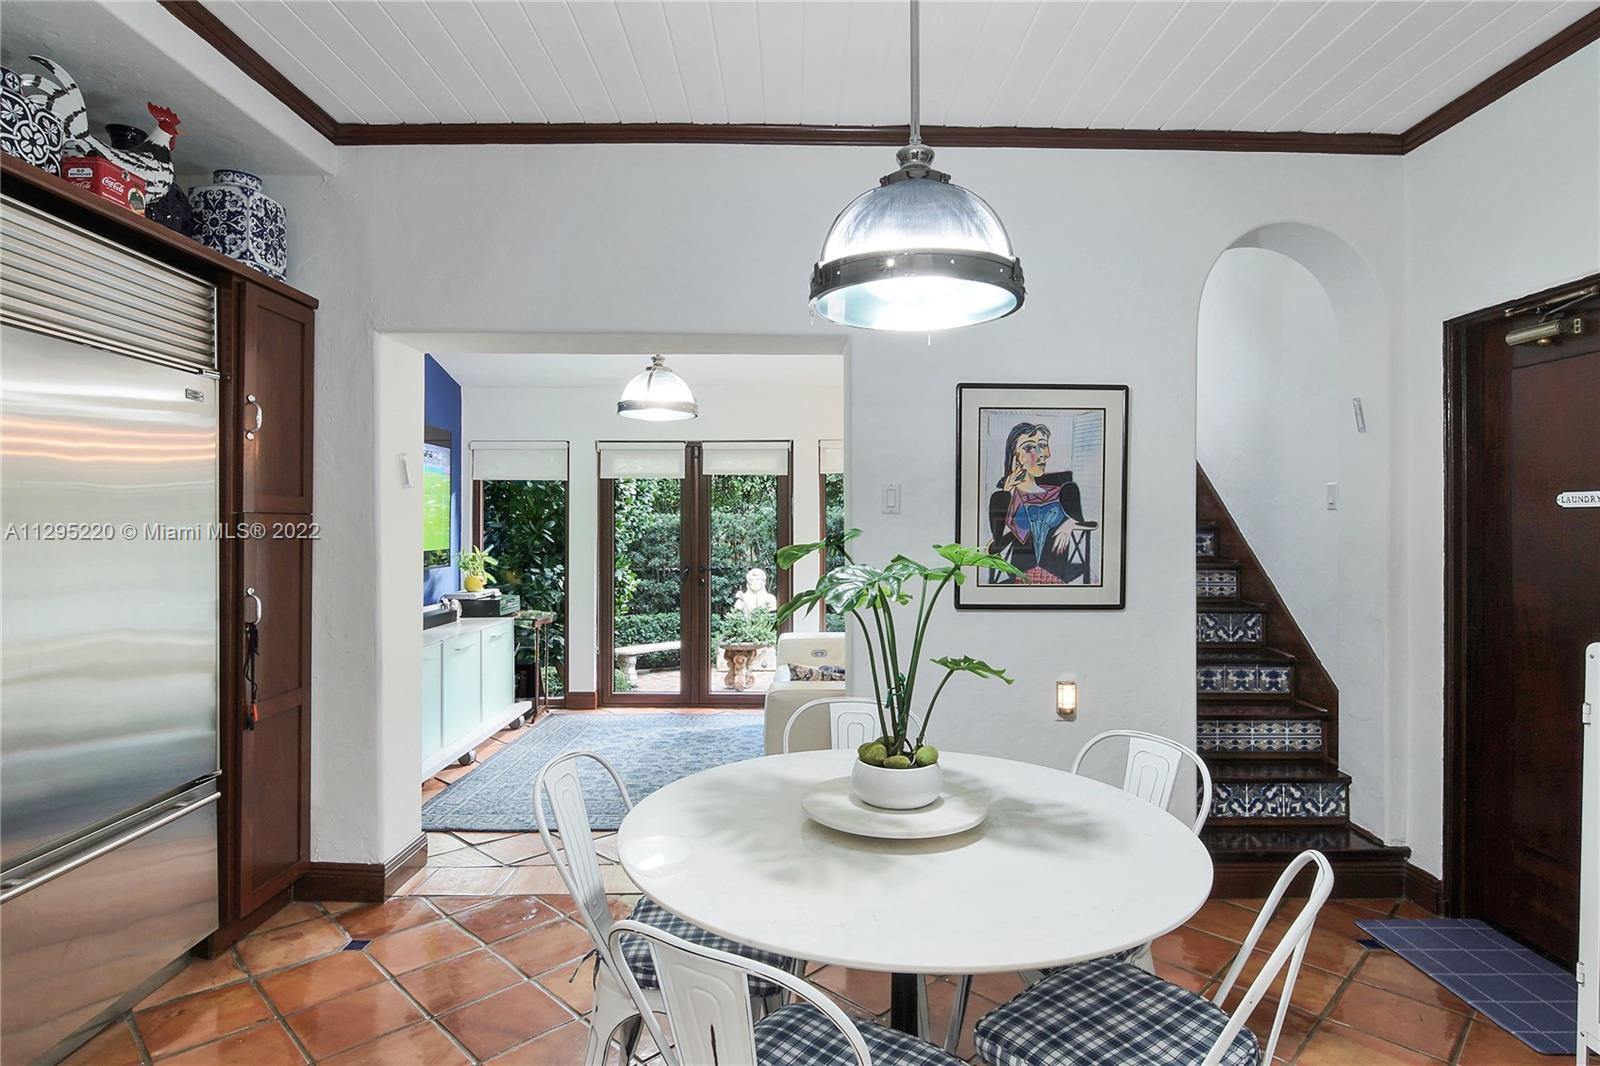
point(273, 816)
point(266, 741)
point(273, 402)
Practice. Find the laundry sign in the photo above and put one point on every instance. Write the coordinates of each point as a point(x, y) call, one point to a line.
point(1578, 498)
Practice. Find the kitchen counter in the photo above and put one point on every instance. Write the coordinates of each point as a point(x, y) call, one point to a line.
point(463, 627)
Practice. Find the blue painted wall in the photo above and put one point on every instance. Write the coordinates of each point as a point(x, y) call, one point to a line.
point(441, 408)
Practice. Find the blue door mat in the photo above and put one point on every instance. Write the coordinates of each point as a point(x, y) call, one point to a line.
point(1519, 990)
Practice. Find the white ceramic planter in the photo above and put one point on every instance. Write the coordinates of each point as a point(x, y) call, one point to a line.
point(896, 790)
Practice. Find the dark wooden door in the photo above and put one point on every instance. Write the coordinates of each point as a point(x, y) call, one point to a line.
point(274, 397)
point(274, 838)
point(1532, 595)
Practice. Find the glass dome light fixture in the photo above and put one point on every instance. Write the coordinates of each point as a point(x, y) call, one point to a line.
point(656, 394)
point(917, 253)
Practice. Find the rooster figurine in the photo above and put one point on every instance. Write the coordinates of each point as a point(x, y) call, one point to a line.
point(151, 160)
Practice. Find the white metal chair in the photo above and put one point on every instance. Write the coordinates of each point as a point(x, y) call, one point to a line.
point(559, 785)
point(1109, 1013)
point(706, 995)
point(1150, 772)
point(852, 721)
point(1151, 768)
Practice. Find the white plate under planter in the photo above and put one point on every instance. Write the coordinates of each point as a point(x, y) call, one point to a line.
point(835, 805)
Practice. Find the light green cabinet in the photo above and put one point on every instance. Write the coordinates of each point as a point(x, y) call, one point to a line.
point(432, 701)
point(499, 671)
point(469, 685)
point(463, 686)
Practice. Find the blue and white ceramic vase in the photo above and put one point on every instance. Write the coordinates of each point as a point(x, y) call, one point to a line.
point(236, 218)
point(28, 130)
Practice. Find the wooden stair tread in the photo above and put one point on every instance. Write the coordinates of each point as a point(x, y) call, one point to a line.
point(1281, 843)
point(1227, 708)
point(1242, 653)
point(1233, 770)
point(1229, 603)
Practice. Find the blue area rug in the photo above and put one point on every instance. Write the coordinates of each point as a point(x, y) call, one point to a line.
point(648, 750)
point(1521, 991)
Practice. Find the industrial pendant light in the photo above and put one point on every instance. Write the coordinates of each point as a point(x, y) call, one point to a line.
point(657, 395)
point(916, 253)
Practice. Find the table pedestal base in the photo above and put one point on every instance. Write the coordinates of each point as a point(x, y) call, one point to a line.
point(903, 1003)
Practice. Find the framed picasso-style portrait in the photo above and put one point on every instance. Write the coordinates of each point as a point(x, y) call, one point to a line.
point(1042, 481)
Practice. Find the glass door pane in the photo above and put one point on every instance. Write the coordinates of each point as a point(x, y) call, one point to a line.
point(832, 526)
point(744, 514)
point(646, 638)
point(525, 525)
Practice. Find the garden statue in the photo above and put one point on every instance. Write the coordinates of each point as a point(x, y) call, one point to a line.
point(754, 596)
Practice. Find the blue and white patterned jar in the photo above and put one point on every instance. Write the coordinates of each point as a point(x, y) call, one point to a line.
point(28, 130)
point(236, 218)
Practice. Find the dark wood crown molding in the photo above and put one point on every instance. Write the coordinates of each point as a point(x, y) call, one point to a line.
point(1574, 38)
point(193, 14)
point(887, 136)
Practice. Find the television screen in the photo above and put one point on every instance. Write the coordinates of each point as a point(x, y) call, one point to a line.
point(436, 507)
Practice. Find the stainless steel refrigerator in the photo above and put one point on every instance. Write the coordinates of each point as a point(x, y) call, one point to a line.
point(108, 628)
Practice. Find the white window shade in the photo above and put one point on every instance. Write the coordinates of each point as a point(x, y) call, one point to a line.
point(641, 459)
point(830, 456)
point(744, 457)
point(521, 461)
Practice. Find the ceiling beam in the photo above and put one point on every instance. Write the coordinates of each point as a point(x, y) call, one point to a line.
point(193, 14)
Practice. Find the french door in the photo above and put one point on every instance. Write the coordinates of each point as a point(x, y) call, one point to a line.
point(689, 536)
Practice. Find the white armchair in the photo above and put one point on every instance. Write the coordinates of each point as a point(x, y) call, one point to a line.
point(811, 651)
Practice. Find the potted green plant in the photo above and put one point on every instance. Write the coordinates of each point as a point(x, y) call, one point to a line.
point(475, 563)
point(898, 770)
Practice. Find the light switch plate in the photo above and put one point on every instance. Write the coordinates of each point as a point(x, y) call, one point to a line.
point(1333, 495)
point(891, 499)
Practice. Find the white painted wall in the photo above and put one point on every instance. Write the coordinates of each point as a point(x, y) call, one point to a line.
point(1505, 204)
point(759, 410)
point(701, 239)
point(1270, 416)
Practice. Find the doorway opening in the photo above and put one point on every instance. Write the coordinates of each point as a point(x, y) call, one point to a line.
point(690, 582)
point(1521, 586)
point(650, 543)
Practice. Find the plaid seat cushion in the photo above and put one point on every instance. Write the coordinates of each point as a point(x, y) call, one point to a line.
point(801, 1035)
point(637, 952)
point(1107, 1013)
point(1125, 955)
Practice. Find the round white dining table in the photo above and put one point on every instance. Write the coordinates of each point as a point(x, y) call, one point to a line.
point(1064, 869)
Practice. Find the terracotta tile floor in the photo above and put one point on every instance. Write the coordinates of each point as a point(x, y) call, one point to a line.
point(451, 977)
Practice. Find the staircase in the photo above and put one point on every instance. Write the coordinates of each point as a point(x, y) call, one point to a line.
point(1267, 726)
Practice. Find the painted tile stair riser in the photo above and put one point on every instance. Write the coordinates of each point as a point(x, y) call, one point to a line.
point(1216, 584)
point(1280, 799)
point(1258, 736)
point(1230, 627)
point(1250, 677)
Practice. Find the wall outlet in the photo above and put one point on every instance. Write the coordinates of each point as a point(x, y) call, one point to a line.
point(1333, 495)
point(891, 499)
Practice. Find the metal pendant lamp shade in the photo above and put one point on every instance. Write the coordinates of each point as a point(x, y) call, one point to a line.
point(917, 253)
point(657, 395)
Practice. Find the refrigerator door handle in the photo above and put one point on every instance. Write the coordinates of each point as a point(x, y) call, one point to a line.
point(11, 889)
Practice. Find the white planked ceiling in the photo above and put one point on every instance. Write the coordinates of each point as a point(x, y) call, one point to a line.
point(1346, 66)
